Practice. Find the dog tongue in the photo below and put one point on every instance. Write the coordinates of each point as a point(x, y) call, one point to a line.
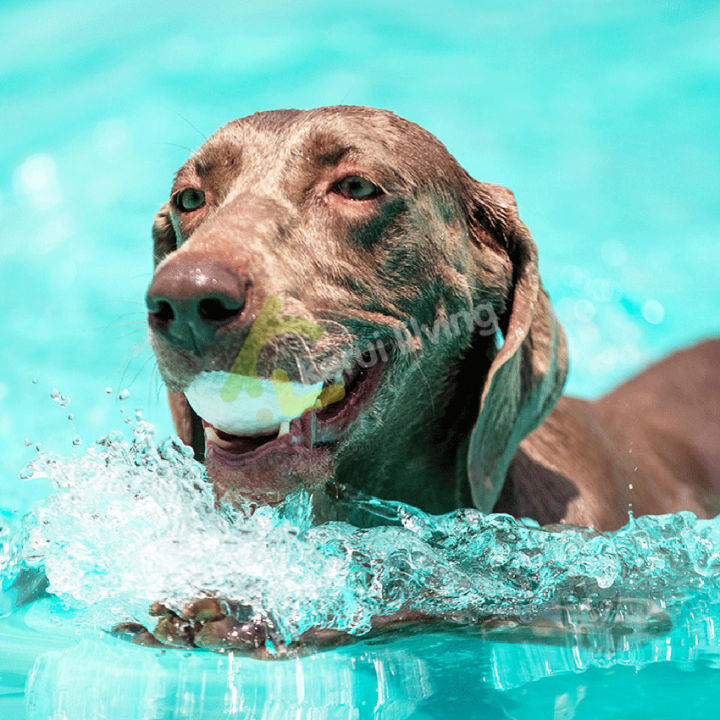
point(242, 405)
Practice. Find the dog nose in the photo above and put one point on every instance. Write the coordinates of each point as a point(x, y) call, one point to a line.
point(188, 301)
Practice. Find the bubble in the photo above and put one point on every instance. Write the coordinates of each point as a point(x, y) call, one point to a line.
point(55, 394)
point(71, 417)
point(653, 312)
point(35, 381)
point(123, 394)
point(264, 416)
point(77, 440)
point(601, 290)
point(584, 310)
point(28, 442)
point(108, 390)
point(37, 180)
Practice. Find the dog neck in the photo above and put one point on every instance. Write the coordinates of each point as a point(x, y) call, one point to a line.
point(436, 426)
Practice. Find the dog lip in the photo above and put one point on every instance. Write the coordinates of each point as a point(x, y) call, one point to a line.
point(237, 457)
point(313, 428)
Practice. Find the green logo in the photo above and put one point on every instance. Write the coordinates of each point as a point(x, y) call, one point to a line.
point(244, 375)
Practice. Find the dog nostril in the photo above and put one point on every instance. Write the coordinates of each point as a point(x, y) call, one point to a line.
point(162, 311)
point(218, 310)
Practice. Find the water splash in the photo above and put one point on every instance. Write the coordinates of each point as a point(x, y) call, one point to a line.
point(134, 521)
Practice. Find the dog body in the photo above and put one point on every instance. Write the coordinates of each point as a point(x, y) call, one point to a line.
point(650, 446)
point(341, 259)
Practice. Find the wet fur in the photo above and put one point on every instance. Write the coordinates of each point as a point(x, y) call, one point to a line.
point(461, 422)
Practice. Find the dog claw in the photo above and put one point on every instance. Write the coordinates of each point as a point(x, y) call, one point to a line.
point(229, 634)
point(205, 609)
point(128, 628)
point(175, 631)
point(157, 609)
point(135, 633)
point(146, 639)
point(208, 623)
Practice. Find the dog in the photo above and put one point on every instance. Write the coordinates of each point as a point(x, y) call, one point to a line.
point(336, 303)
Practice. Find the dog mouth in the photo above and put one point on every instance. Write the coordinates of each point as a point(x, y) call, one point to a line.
point(239, 433)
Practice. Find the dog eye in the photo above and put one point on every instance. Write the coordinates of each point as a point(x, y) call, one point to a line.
point(354, 187)
point(190, 199)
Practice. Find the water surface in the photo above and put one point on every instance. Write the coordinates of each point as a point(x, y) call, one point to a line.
point(602, 119)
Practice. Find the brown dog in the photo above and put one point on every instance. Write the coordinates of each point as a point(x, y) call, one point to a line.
point(341, 259)
point(343, 305)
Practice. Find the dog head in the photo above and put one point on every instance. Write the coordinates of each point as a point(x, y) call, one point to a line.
point(329, 295)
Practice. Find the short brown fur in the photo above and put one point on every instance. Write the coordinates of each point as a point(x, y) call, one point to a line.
point(458, 422)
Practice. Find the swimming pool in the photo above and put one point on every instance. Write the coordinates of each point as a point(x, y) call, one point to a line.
point(603, 122)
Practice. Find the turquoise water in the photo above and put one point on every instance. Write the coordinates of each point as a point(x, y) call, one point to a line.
point(603, 120)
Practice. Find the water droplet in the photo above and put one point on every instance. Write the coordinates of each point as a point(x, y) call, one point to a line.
point(34, 381)
point(653, 312)
point(584, 310)
point(123, 394)
point(77, 440)
point(108, 390)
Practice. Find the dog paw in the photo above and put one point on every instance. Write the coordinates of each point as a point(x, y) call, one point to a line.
point(207, 623)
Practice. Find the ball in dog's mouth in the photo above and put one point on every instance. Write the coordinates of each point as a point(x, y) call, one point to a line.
point(247, 419)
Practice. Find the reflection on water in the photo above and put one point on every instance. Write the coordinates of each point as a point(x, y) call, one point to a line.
point(418, 675)
point(75, 683)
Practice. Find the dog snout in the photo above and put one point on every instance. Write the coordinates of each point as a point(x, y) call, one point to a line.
point(189, 299)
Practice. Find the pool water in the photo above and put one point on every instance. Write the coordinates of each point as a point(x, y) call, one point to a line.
point(602, 119)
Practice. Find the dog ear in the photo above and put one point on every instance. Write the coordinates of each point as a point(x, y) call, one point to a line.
point(163, 235)
point(528, 372)
point(188, 425)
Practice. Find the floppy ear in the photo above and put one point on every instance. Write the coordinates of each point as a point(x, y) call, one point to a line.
point(188, 425)
point(163, 235)
point(527, 375)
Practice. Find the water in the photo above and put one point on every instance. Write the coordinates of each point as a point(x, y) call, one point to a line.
point(602, 119)
point(134, 521)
